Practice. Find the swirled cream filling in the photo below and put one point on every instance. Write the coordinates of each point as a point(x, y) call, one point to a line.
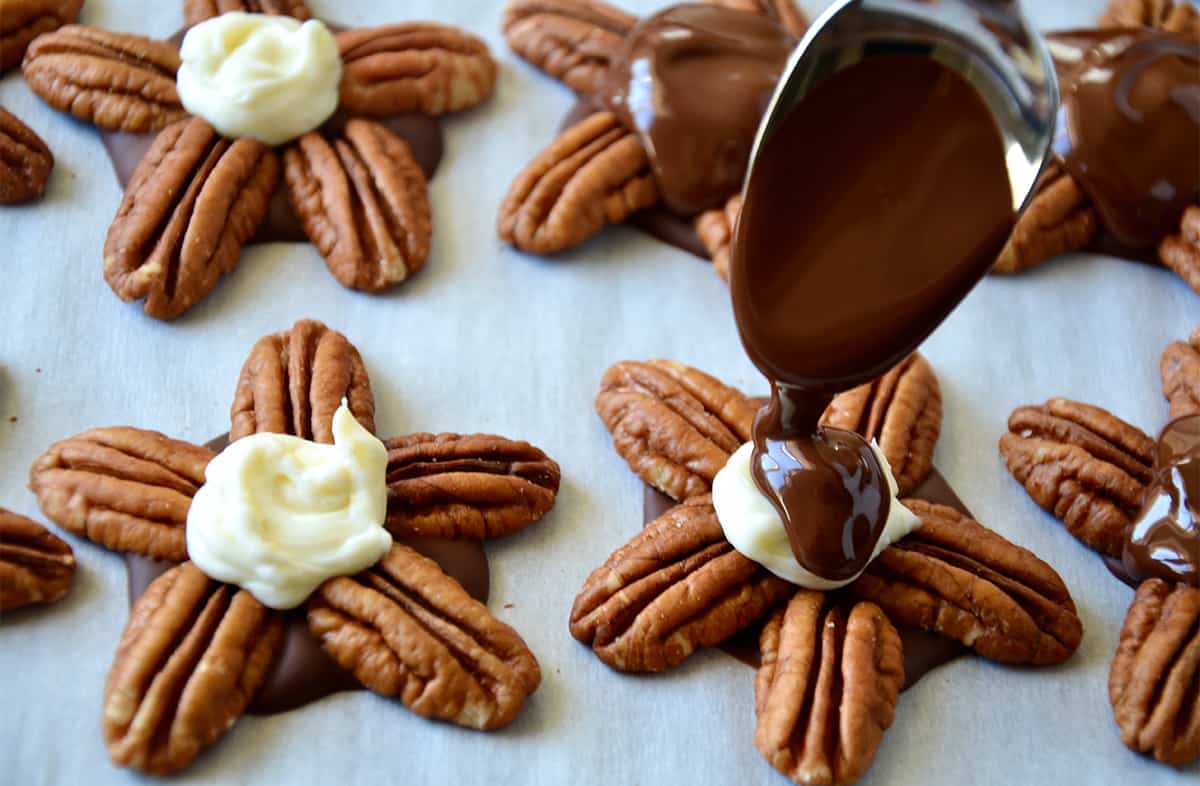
point(272, 78)
point(278, 515)
point(753, 527)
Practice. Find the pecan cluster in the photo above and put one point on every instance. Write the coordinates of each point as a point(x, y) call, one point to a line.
point(195, 199)
point(1093, 471)
point(596, 173)
point(832, 663)
point(195, 652)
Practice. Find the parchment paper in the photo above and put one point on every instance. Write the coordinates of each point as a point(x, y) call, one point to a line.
point(486, 339)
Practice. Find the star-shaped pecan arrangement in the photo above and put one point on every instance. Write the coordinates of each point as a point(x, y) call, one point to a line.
point(1062, 217)
point(831, 664)
point(599, 171)
point(1128, 497)
point(25, 160)
point(197, 653)
point(356, 187)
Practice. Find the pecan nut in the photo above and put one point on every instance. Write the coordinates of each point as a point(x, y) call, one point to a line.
point(715, 228)
point(1181, 253)
point(196, 11)
point(955, 577)
point(826, 690)
point(192, 656)
point(675, 425)
point(676, 586)
point(117, 81)
point(36, 566)
point(1083, 464)
point(21, 21)
point(123, 488)
point(474, 487)
point(1059, 219)
point(193, 202)
point(902, 411)
point(364, 204)
point(292, 383)
point(413, 67)
point(25, 161)
point(1155, 675)
point(785, 12)
point(573, 41)
point(1174, 17)
point(1180, 369)
point(594, 174)
point(407, 630)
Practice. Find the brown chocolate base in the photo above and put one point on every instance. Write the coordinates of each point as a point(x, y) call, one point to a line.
point(923, 652)
point(422, 132)
point(303, 673)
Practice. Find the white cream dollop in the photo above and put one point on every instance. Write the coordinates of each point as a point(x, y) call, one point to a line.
point(278, 515)
point(753, 527)
point(268, 77)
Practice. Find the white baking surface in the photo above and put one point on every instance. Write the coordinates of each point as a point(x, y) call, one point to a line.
point(487, 339)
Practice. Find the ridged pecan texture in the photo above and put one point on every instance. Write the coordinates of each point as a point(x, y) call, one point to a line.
point(1180, 369)
point(123, 488)
point(21, 21)
point(25, 161)
point(36, 566)
point(407, 630)
point(573, 41)
point(1181, 253)
point(196, 11)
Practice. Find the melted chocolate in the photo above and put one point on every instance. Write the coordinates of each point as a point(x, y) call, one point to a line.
point(303, 673)
point(923, 652)
point(422, 132)
point(882, 198)
point(692, 82)
point(1129, 127)
point(1164, 542)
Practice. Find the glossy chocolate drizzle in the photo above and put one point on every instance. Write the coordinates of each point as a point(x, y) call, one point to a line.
point(303, 673)
point(1129, 127)
point(692, 82)
point(880, 201)
point(1164, 541)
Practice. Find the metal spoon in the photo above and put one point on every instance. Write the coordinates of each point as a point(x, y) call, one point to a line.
point(988, 42)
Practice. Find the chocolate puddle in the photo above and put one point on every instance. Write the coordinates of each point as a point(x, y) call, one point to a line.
point(423, 133)
point(303, 673)
point(923, 651)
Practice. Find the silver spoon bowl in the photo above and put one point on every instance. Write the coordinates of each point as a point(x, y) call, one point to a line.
point(988, 42)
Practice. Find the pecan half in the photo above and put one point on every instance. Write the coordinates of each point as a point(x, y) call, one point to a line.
point(117, 81)
point(902, 410)
point(36, 566)
point(677, 585)
point(715, 228)
point(125, 489)
point(475, 486)
point(675, 425)
point(363, 202)
point(292, 383)
point(413, 67)
point(1174, 17)
point(1154, 684)
point(21, 21)
point(1083, 464)
point(955, 577)
point(196, 11)
point(1180, 369)
point(594, 174)
point(785, 12)
point(25, 161)
point(192, 656)
point(1058, 219)
point(573, 41)
point(1181, 253)
point(193, 202)
point(407, 630)
point(826, 690)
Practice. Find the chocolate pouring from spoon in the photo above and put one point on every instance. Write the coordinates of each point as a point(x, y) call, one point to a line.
point(898, 150)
